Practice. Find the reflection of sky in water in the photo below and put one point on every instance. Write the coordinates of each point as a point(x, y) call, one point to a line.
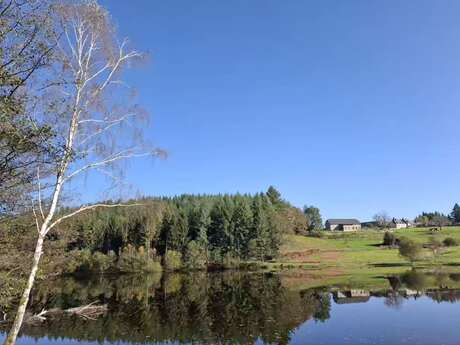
point(421, 321)
point(242, 307)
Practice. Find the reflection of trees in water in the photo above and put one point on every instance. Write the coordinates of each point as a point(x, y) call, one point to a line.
point(439, 296)
point(210, 308)
point(205, 308)
point(394, 300)
point(434, 285)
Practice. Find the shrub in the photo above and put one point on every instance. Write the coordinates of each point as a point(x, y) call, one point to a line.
point(172, 260)
point(195, 256)
point(450, 242)
point(316, 233)
point(230, 261)
point(415, 280)
point(100, 262)
point(409, 249)
point(435, 243)
point(135, 260)
point(85, 261)
point(390, 239)
point(77, 260)
point(215, 257)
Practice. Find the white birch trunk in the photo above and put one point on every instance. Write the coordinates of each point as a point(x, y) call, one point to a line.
point(19, 318)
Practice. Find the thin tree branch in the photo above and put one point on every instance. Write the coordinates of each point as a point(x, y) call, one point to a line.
point(87, 208)
point(40, 193)
point(109, 160)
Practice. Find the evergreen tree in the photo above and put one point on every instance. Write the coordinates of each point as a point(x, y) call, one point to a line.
point(260, 228)
point(219, 229)
point(241, 226)
point(274, 196)
point(199, 222)
point(166, 228)
point(455, 214)
point(178, 238)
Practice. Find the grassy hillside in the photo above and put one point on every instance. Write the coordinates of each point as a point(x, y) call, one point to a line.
point(349, 252)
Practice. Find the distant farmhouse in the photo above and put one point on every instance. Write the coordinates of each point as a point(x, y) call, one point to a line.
point(399, 223)
point(343, 225)
point(351, 296)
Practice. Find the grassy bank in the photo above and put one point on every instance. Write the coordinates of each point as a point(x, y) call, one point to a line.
point(352, 252)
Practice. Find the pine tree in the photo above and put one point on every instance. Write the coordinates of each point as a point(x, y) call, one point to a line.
point(179, 231)
point(455, 214)
point(274, 196)
point(241, 226)
point(260, 228)
point(219, 229)
point(199, 222)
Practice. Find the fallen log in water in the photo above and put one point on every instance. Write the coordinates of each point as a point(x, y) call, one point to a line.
point(90, 312)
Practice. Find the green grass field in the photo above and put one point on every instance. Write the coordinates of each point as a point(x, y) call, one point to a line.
point(352, 252)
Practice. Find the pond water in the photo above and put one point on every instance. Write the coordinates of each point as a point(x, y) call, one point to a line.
point(251, 308)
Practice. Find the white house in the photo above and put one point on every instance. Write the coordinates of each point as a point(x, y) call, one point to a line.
point(343, 225)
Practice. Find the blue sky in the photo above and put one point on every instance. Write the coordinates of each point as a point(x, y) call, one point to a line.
point(351, 106)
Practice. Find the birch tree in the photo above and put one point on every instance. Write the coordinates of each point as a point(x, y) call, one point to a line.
point(88, 105)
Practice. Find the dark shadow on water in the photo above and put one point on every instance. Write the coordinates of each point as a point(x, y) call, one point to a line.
point(386, 264)
point(453, 264)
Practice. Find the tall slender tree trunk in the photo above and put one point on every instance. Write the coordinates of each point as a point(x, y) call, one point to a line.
point(15, 328)
point(13, 334)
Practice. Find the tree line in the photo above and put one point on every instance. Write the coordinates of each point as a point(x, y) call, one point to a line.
point(438, 218)
point(185, 232)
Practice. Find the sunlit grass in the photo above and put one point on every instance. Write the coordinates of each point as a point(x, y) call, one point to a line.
point(362, 249)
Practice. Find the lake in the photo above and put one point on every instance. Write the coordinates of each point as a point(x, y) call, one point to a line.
point(251, 308)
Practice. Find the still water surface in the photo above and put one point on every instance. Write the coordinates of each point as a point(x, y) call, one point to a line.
point(251, 308)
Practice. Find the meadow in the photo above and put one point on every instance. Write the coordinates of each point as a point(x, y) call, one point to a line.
point(355, 251)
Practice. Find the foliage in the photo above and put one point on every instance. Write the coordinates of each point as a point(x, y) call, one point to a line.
point(195, 256)
point(390, 239)
point(172, 260)
point(315, 222)
point(85, 261)
point(450, 242)
point(294, 221)
point(24, 51)
point(274, 195)
point(317, 234)
point(230, 261)
point(101, 262)
point(433, 219)
point(455, 214)
point(410, 249)
point(135, 260)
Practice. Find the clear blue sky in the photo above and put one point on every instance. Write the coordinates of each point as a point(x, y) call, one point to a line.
point(352, 106)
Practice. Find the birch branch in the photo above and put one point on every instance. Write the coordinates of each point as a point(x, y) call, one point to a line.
point(110, 123)
point(87, 208)
point(40, 194)
point(108, 161)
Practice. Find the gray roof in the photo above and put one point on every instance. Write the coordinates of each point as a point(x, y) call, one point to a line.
point(343, 221)
point(348, 300)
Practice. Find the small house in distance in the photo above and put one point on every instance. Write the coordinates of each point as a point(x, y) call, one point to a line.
point(352, 296)
point(400, 223)
point(343, 225)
